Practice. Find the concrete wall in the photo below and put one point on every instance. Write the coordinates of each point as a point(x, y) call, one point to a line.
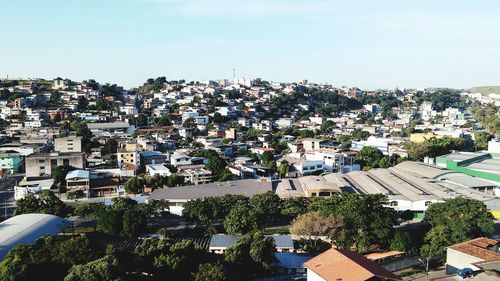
point(459, 260)
point(312, 276)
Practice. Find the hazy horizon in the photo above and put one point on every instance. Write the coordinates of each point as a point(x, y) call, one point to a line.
point(368, 44)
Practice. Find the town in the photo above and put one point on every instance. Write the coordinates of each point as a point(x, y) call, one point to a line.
point(247, 179)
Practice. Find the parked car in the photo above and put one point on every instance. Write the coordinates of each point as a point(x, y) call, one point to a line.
point(465, 273)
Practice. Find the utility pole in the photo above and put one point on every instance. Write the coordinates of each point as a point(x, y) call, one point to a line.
point(426, 265)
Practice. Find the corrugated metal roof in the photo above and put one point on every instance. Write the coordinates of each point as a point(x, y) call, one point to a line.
point(27, 228)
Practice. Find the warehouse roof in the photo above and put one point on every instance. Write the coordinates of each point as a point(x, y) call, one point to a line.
point(249, 188)
point(27, 228)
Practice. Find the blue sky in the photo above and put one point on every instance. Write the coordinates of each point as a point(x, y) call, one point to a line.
point(370, 44)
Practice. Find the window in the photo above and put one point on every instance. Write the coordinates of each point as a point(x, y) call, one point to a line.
point(65, 162)
point(393, 203)
point(427, 203)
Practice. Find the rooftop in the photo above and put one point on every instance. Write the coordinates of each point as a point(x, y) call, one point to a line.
point(27, 228)
point(249, 188)
point(336, 264)
point(483, 248)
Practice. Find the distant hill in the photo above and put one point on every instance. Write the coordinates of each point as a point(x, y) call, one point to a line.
point(485, 90)
point(437, 89)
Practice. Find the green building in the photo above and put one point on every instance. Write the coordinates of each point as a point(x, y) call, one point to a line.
point(10, 161)
point(477, 164)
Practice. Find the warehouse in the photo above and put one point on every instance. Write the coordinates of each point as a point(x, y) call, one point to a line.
point(26, 229)
point(414, 186)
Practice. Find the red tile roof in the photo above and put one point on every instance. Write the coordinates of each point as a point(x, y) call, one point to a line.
point(478, 248)
point(336, 264)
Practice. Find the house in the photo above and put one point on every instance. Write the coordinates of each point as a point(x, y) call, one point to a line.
point(157, 169)
point(43, 164)
point(31, 187)
point(197, 175)
point(336, 264)
point(467, 254)
point(177, 196)
point(68, 144)
point(10, 161)
point(220, 242)
point(177, 159)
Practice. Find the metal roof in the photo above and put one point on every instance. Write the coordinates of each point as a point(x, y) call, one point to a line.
point(249, 188)
point(80, 174)
point(27, 228)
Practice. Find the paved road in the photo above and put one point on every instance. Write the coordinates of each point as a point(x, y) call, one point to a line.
point(7, 194)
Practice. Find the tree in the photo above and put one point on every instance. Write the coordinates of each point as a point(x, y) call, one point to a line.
point(312, 225)
point(367, 219)
point(46, 203)
point(369, 157)
point(83, 103)
point(251, 254)
point(49, 257)
point(417, 151)
point(295, 206)
point(210, 272)
point(266, 157)
point(481, 140)
point(406, 215)
point(242, 219)
point(215, 164)
point(267, 204)
point(283, 168)
point(134, 223)
point(463, 218)
point(401, 241)
point(59, 174)
point(164, 120)
point(359, 134)
point(135, 185)
point(105, 269)
point(436, 241)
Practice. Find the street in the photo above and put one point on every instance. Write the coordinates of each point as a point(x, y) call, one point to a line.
point(7, 194)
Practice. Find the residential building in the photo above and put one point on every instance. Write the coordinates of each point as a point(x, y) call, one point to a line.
point(337, 264)
point(11, 161)
point(43, 164)
point(469, 253)
point(68, 144)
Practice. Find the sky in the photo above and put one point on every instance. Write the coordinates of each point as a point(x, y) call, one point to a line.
point(370, 44)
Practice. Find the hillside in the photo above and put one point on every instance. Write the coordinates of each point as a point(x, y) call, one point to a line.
point(485, 90)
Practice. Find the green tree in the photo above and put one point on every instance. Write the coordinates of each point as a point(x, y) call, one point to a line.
point(283, 168)
point(83, 103)
point(59, 174)
point(310, 226)
point(436, 241)
point(464, 218)
point(359, 134)
point(46, 203)
point(135, 185)
point(210, 272)
point(105, 269)
point(481, 140)
point(242, 219)
point(266, 157)
point(252, 253)
point(417, 151)
point(367, 219)
point(134, 223)
point(295, 206)
point(268, 204)
point(164, 120)
point(369, 157)
point(401, 241)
